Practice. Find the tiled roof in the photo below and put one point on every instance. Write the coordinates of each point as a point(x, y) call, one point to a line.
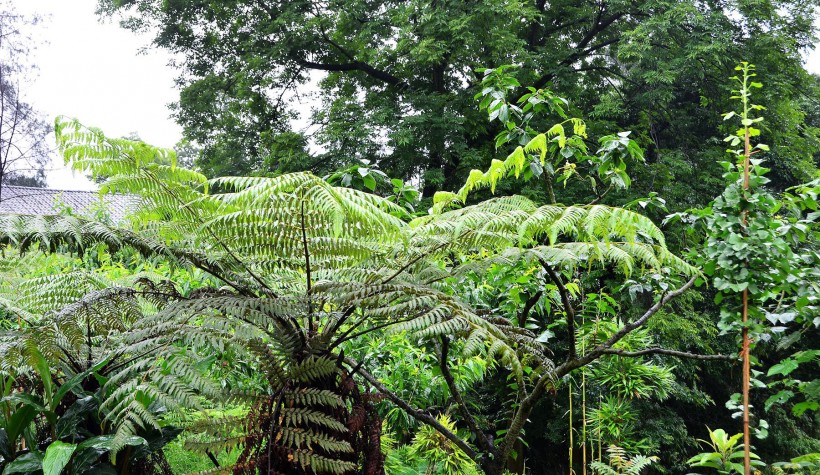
point(45, 201)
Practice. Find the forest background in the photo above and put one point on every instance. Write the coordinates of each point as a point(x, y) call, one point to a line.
point(400, 89)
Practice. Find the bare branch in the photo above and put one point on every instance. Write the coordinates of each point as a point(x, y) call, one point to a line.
point(528, 306)
point(520, 417)
point(664, 351)
point(417, 414)
point(627, 329)
point(601, 196)
point(568, 308)
point(483, 441)
point(582, 49)
point(383, 76)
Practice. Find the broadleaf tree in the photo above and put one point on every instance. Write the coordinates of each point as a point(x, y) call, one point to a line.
point(393, 82)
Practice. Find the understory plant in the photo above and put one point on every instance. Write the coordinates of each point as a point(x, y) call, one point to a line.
point(620, 463)
point(431, 453)
point(726, 454)
point(58, 353)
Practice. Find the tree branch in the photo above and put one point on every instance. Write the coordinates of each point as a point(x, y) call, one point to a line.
point(529, 402)
point(522, 414)
point(601, 196)
point(570, 310)
point(383, 76)
point(483, 441)
point(581, 47)
point(528, 306)
point(599, 350)
point(417, 414)
point(664, 351)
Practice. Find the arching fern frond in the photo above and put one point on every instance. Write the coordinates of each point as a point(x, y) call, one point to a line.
point(568, 236)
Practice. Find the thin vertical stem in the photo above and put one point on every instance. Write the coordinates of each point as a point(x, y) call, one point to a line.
point(569, 387)
point(600, 443)
point(583, 407)
point(592, 450)
point(747, 465)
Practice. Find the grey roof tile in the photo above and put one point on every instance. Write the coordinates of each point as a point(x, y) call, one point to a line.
point(45, 201)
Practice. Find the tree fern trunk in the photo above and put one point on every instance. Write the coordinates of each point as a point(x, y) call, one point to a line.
point(270, 450)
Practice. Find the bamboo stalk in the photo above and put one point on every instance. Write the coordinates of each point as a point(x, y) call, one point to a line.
point(583, 407)
point(600, 443)
point(569, 387)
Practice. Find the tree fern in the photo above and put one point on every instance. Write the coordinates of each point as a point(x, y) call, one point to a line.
point(307, 267)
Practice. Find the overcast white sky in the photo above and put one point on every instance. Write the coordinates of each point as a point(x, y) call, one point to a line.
point(91, 70)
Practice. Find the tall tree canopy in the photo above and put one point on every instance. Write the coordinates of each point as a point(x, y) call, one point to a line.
point(396, 79)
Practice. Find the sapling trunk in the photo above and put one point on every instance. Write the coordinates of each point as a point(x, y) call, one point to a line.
point(747, 153)
point(747, 462)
